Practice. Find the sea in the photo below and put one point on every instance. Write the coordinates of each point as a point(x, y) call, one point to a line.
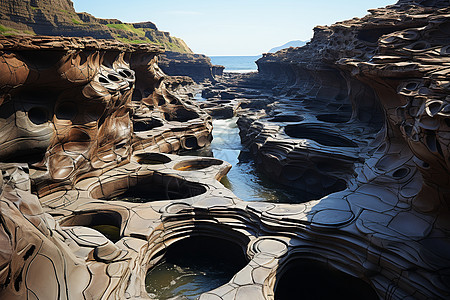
point(236, 64)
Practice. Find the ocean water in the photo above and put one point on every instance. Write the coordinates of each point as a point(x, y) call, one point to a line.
point(236, 64)
point(243, 179)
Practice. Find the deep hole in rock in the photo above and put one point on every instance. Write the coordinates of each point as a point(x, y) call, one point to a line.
point(145, 125)
point(321, 135)
point(42, 59)
point(286, 118)
point(113, 77)
point(106, 222)
point(190, 165)
point(419, 45)
point(334, 118)
point(316, 280)
point(161, 100)
point(102, 79)
point(373, 34)
point(125, 73)
point(152, 158)
point(148, 188)
point(411, 86)
point(434, 107)
point(18, 281)
point(181, 115)
point(38, 115)
point(400, 173)
point(194, 266)
point(190, 142)
point(29, 252)
point(66, 111)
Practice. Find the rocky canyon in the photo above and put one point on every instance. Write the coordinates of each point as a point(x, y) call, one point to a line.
point(99, 183)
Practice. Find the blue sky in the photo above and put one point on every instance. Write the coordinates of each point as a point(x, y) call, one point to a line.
point(232, 27)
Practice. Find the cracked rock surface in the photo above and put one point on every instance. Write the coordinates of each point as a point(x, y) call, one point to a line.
point(92, 193)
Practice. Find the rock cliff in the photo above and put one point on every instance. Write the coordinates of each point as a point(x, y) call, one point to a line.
point(58, 17)
point(196, 66)
point(92, 196)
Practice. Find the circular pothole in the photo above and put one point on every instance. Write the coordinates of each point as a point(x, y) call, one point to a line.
point(321, 135)
point(194, 266)
point(152, 158)
point(106, 222)
point(286, 118)
point(192, 165)
point(148, 188)
point(317, 280)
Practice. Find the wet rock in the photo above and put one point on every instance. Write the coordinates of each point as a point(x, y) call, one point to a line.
point(91, 197)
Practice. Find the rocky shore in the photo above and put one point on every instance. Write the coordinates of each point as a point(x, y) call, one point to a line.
point(93, 193)
point(59, 18)
point(196, 66)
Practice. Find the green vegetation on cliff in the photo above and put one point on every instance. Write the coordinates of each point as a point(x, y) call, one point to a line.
point(58, 17)
point(127, 27)
point(128, 33)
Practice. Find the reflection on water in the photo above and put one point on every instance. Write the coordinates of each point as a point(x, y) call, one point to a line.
point(194, 266)
point(188, 277)
point(243, 179)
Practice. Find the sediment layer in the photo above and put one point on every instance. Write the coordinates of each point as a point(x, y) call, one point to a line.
point(91, 198)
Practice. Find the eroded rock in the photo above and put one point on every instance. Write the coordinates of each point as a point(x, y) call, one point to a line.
point(91, 198)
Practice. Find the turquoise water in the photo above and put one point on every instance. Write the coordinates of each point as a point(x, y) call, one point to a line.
point(243, 179)
point(236, 63)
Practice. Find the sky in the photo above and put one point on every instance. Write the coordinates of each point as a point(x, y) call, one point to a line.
point(232, 27)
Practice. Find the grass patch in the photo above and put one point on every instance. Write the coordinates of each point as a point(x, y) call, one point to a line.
point(4, 28)
point(7, 31)
point(77, 22)
point(129, 41)
point(127, 27)
point(29, 32)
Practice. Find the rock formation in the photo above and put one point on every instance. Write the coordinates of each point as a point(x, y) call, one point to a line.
point(196, 66)
point(92, 194)
point(58, 17)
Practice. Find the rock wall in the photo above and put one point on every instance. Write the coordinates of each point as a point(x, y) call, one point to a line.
point(196, 66)
point(58, 17)
point(67, 104)
point(74, 109)
point(391, 67)
point(317, 82)
point(90, 199)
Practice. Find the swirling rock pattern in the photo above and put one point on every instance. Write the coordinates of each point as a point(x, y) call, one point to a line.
point(91, 198)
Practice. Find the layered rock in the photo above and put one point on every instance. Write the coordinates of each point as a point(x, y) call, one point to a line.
point(71, 109)
point(67, 104)
point(336, 106)
point(99, 202)
point(58, 17)
point(196, 66)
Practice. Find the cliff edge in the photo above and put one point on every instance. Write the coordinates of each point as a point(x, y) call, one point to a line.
point(58, 17)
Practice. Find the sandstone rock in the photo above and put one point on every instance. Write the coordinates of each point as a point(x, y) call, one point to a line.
point(196, 66)
point(90, 198)
point(58, 17)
